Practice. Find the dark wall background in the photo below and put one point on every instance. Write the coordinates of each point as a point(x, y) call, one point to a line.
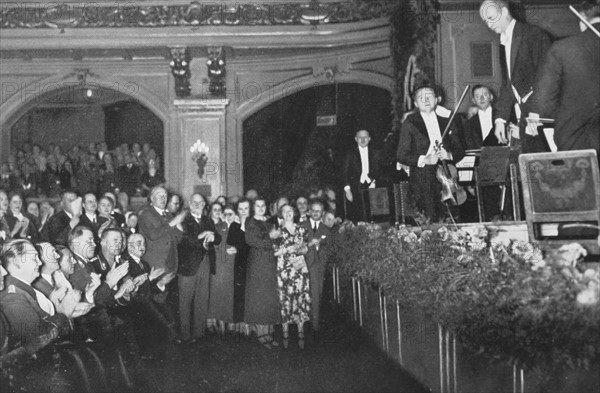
point(285, 153)
point(64, 126)
point(131, 122)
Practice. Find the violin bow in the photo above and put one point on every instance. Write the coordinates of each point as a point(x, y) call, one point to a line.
point(462, 97)
point(585, 22)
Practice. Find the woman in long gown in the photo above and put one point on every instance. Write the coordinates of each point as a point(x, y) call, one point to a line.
point(262, 299)
point(221, 283)
point(292, 275)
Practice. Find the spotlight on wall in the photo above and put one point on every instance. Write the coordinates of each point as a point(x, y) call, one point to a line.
point(89, 93)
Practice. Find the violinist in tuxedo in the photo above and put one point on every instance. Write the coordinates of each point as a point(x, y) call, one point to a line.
point(361, 169)
point(418, 148)
point(316, 257)
point(523, 49)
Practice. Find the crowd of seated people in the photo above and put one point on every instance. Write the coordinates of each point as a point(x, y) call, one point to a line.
point(87, 269)
point(35, 171)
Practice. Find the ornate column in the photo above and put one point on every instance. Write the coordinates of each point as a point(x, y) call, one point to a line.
point(202, 119)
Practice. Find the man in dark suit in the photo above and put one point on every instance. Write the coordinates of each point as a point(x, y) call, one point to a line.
point(569, 87)
point(316, 257)
point(162, 231)
point(90, 217)
point(523, 48)
point(28, 312)
point(419, 148)
point(194, 269)
point(361, 169)
point(56, 231)
point(149, 325)
point(50, 263)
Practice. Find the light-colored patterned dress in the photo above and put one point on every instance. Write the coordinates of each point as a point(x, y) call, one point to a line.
point(293, 285)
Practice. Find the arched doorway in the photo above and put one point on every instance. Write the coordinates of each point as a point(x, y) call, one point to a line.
point(287, 152)
point(80, 117)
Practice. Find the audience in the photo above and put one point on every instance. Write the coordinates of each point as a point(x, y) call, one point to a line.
point(104, 273)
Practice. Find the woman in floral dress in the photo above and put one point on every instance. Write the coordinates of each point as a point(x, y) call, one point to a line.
point(292, 275)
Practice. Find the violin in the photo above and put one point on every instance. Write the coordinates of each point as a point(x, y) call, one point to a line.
point(452, 193)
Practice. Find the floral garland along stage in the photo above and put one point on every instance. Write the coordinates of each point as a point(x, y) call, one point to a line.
point(505, 300)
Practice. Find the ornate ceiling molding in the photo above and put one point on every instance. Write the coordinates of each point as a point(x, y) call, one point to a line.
point(196, 14)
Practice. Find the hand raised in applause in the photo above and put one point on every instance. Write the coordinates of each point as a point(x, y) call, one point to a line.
point(116, 273)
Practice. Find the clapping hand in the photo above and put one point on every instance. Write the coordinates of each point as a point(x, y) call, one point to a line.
point(155, 273)
point(116, 273)
point(231, 250)
point(125, 289)
point(82, 308)
point(208, 236)
point(275, 233)
point(166, 279)
point(65, 301)
point(139, 280)
point(178, 219)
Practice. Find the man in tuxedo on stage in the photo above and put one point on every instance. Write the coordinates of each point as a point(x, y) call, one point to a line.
point(479, 129)
point(418, 148)
point(361, 169)
point(569, 86)
point(523, 48)
point(316, 258)
point(478, 132)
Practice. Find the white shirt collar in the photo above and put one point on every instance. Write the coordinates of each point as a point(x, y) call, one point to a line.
point(313, 222)
point(91, 216)
point(47, 277)
point(486, 112)
point(363, 148)
point(507, 36)
point(135, 258)
point(160, 211)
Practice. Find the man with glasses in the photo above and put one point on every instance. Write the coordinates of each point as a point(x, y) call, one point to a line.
point(29, 313)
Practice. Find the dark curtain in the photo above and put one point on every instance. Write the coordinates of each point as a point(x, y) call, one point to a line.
point(130, 122)
point(285, 153)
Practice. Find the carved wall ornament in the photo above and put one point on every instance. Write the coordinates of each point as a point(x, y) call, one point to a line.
point(180, 68)
point(216, 70)
point(332, 69)
point(81, 15)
